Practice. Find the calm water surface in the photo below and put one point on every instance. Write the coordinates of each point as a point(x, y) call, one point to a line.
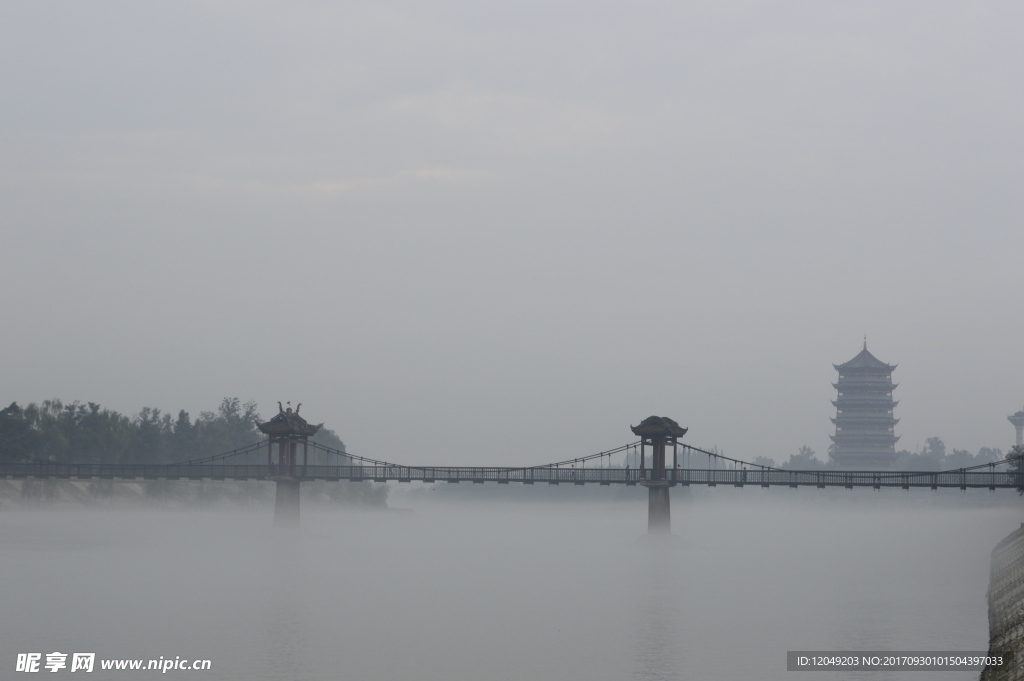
point(481, 590)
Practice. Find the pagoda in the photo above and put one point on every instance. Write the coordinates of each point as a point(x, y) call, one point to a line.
point(658, 432)
point(864, 421)
point(287, 430)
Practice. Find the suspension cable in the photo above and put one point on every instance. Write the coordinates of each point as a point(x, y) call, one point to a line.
point(713, 458)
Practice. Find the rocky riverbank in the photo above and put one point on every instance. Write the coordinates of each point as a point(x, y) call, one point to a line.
point(1006, 609)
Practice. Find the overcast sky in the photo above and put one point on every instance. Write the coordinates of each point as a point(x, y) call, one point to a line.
point(489, 233)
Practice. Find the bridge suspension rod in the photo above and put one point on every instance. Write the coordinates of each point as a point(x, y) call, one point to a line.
point(687, 449)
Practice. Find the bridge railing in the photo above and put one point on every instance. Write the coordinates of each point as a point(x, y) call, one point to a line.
point(847, 478)
point(608, 476)
point(135, 471)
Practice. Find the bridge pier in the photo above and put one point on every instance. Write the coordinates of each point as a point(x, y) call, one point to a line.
point(659, 514)
point(286, 506)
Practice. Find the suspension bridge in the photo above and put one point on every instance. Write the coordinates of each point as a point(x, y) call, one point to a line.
point(257, 462)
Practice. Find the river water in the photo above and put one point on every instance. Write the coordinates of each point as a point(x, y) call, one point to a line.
point(474, 590)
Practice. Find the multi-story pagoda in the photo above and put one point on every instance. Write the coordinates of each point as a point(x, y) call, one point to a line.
point(864, 422)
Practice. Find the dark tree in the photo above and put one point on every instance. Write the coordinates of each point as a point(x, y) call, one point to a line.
point(1016, 457)
point(18, 439)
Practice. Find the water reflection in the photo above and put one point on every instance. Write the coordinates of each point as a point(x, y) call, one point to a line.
point(285, 632)
point(480, 592)
point(657, 631)
point(286, 640)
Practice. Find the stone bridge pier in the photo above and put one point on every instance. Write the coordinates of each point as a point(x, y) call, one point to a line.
point(286, 505)
point(659, 513)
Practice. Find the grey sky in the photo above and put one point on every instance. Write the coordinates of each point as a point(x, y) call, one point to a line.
point(500, 233)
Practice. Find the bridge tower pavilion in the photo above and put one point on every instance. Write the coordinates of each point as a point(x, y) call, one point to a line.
point(864, 413)
point(1018, 422)
point(287, 430)
point(658, 432)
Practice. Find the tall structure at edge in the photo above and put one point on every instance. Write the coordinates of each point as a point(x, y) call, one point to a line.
point(864, 422)
point(1018, 422)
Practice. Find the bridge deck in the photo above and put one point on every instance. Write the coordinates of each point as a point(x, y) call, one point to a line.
point(578, 476)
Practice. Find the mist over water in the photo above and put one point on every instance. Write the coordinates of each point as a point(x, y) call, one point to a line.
point(489, 235)
point(448, 590)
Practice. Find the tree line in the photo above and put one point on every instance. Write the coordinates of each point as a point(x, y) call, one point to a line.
point(88, 433)
point(934, 456)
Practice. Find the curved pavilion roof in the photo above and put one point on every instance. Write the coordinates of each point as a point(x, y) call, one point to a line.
point(288, 422)
point(865, 360)
point(658, 426)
